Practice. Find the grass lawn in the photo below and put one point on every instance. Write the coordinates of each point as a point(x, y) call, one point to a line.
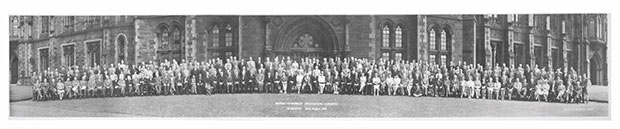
point(304, 105)
point(18, 93)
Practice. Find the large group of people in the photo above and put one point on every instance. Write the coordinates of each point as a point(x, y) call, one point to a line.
point(313, 75)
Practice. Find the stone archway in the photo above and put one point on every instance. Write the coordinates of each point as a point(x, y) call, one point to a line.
point(595, 70)
point(14, 69)
point(306, 36)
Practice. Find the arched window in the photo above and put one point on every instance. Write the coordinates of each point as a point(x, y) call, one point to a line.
point(223, 41)
point(15, 26)
point(443, 59)
point(530, 19)
point(439, 55)
point(399, 37)
point(446, 41)
point(398, 55)
point(70, 22)
point(563, 27)
point(516, 18)
point(443, 40)
point(163, 36)
point(392, 41)
point(68, 53)
point(28, 31)
point(176, 38)
point(431, 39)
point(215, 36)
point(120, 44)
point(228, 35)
point(604, 29)
point(123, 18)
point(386, 36)
point(385, 55)
point(170, 46)
point(548, 23)
point(599, 27)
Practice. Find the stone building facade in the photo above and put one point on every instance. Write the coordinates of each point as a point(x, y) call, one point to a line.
point(577, 41)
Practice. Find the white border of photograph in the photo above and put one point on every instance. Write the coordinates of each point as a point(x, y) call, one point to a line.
point(307, 7)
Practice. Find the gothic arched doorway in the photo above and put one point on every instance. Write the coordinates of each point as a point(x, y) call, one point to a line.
point(595, 70)
point(14, 70)
point(306, 36)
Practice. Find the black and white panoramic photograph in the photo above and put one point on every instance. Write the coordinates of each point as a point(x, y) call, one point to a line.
point(418, 65)
point(310, 64)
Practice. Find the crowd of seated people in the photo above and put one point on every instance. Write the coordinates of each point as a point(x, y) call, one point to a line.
point(284, 75)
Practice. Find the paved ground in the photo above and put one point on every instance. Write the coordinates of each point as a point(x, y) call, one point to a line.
point(295, 105)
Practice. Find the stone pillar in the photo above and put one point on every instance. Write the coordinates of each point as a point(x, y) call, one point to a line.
point(268, 49)
point(240, 36)
point(194, 35)
point(24, 54)
point(488, 55)
point(565, 51)
point(372, 36)
point(605, 65)
point(531, 45)
point(52, 53)
point(107, 48)
point(549, 55)
point(136, 40)
point(578, 54)
point(347, 49)
point(469, 39)
point(422, 38)
point(586, 57)
point(510, 42)
point(190, 38)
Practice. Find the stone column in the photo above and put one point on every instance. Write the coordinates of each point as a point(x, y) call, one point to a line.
point(565, 51)
point(531, 45)
point(586, 58)
point(347, 49)
point(52, 55)
point(549, 55)
point(136, 41)
point(510, 42)
point(488, 55)
point(372, 36)
point(268, 49)
point(422, 38)
point(190, 38)
point(192, 49)
point(106, 50)
point(240, 36)
point(469, 39)
point(578, 54)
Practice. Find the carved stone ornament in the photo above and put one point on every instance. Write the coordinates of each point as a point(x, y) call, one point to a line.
point(336, 21)
point(277, 21)
point(305, 41)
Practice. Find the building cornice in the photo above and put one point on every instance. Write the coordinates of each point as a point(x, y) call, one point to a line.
point(78, 32)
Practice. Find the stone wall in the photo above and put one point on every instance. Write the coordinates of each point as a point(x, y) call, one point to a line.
point(355, 35)
point(146, 35)
point(362, 36)
point(252, 39)
point(469, 39)
point(203, 40)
